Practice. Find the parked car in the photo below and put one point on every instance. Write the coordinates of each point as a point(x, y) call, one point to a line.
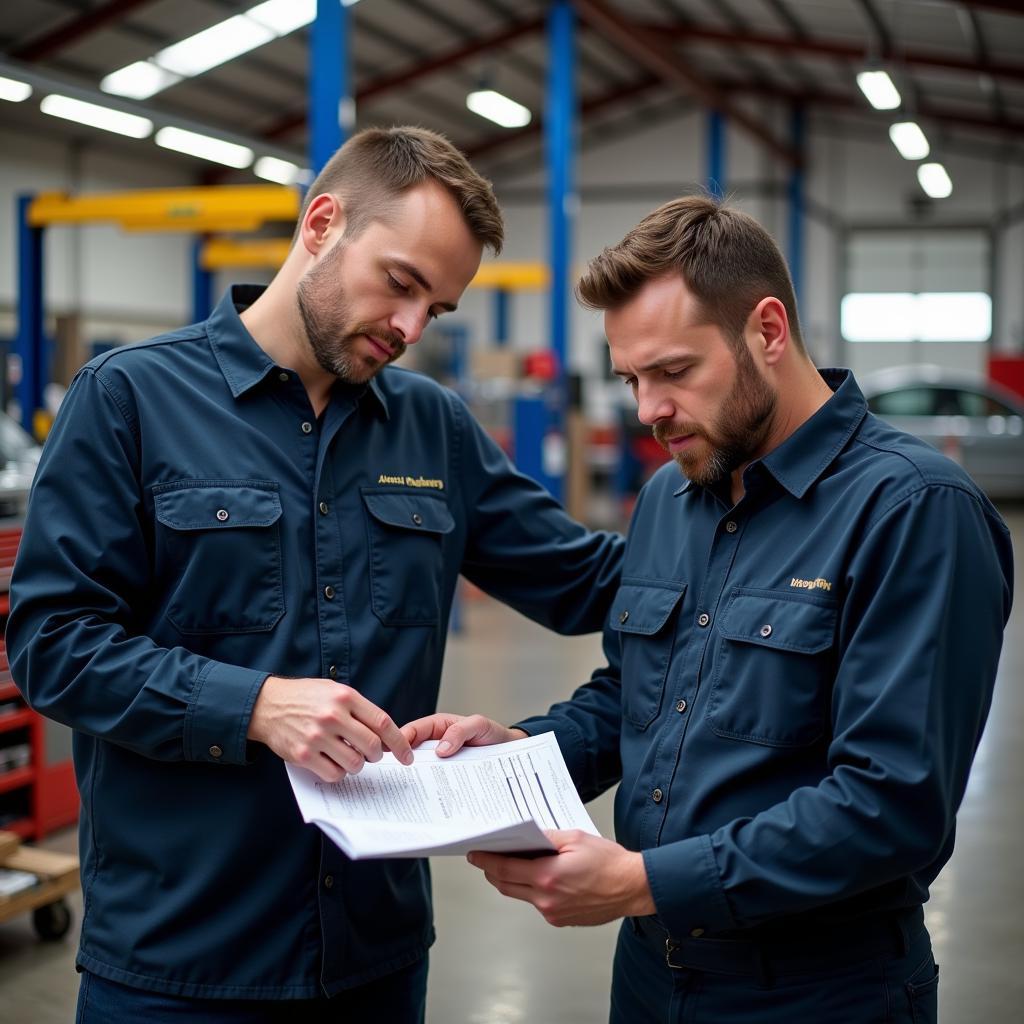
point(19, 456)
point(975, 422)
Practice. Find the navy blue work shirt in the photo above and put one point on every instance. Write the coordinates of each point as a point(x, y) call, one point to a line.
point(194, 528)
point(797, 684)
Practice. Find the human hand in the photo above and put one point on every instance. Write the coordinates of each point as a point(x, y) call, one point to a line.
point(324, 726)
point(590, 880)
point(457, 731)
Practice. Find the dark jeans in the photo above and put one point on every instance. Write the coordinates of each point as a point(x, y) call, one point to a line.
point(894, 986)
point(398, 998)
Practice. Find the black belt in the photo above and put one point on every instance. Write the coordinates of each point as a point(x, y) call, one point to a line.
point(767, 953)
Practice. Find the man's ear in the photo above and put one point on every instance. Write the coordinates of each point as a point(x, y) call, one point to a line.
point(323, 223)
point(769, 324)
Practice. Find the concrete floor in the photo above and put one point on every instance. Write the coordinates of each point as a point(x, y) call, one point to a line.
point(497, 962)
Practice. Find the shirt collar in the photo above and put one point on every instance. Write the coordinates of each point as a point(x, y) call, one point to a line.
point(811, 448)
point(241, 360)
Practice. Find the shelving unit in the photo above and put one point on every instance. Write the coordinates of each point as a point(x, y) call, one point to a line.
point(36, 796)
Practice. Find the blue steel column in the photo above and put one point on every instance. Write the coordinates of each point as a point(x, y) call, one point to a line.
point(716, 153)
point(330, 97)
point(561, 144)
point(796, 204)
point(31, 344)
point(537, 423)
point(202, 283)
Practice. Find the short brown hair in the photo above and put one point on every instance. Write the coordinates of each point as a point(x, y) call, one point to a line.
point(374, 167)
point(726, 259)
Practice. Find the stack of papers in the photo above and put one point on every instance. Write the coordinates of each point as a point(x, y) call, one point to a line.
point(496, 798)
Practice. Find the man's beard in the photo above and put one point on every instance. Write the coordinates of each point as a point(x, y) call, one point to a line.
point(736, 435)
point(332, 335)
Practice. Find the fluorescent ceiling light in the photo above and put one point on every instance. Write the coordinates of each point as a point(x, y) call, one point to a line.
point(216, 45)
point(934, 180)
point(878, 88)
point(139, 81)
point(96, 116)
point(13, 90)
point(908, 138)
point(498, 108)
point(284, 172)
point(205, 147)
point(283, 16)
point(213, 46)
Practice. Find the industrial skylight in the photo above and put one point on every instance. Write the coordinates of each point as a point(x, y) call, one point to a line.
point(205, 147)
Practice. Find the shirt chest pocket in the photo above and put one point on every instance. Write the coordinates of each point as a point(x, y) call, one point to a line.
point(644, 616)
point(219, 551)
point(774, 669)
point(404, 535)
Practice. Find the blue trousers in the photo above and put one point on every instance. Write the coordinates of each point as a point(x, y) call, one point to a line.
point(400, 998)
point(895, 984)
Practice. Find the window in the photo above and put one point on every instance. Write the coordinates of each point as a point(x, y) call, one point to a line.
point(924, 316)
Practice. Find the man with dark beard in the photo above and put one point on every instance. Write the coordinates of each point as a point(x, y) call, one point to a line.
point(241, 549)
point(801, 660)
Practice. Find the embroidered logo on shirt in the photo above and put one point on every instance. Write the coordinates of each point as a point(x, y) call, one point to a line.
point(816, 584)
point(411, 481)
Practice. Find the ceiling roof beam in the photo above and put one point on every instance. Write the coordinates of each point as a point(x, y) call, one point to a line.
point(825, 48)
point(662, 61)
point(72, 31)
point(421, 69)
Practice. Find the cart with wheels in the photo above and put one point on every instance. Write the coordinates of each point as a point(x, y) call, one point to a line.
point(57, 874)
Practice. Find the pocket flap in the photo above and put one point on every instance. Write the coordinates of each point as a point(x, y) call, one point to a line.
point(644, 609)
point(216, 506)
point(783, 622)
point(410, 511)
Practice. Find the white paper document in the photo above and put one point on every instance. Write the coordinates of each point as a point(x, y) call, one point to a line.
point(496, 798)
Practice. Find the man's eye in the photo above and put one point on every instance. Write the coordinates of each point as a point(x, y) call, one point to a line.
point(675, 374)
point(630, 382)
point(397, 285)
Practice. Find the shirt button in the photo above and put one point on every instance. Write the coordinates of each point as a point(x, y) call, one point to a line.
point(222, 514)
point(766, 630)
point(657, 795)
point(333, 671)
point(623, 616)
point(329, 882)
point(680, 706)
point(697, 932)
point(329, 592)
point(216, 751)
point(703, 619)
point(307, 427)
point(417, 518)
point(282, 376)
point(731, 527)
point(324, 508)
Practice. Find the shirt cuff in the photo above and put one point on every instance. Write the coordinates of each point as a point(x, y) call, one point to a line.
point(687, 889)
point(218, 716)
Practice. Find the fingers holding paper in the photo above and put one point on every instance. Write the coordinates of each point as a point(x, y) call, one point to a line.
point(590, 880)
point(327, 727)
point(456, 731)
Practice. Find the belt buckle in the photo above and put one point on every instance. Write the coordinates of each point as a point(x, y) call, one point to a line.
point(670, 948)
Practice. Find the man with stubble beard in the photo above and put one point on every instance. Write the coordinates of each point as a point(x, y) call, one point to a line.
point(241, 549)
point(800, 663)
